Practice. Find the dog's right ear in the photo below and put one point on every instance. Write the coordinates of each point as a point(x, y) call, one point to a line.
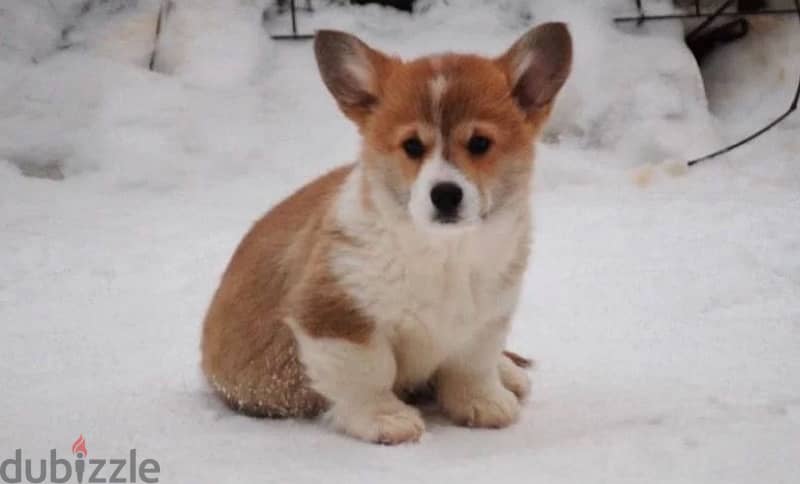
point(351, 70)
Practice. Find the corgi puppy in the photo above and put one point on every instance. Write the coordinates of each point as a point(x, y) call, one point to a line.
point(403, 269)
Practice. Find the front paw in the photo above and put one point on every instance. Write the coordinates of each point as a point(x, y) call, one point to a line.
point(386, 422)
point(488, 406)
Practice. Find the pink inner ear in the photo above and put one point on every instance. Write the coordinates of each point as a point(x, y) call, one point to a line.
point(352, 81)
point(344, 62)
point(538, 84)
point(350, 91)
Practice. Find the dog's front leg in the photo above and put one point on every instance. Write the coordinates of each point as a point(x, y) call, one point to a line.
point(357, 380)
point(469, 385)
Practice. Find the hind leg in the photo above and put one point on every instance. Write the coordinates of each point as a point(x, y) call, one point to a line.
point(513, 374)
point(259, 373)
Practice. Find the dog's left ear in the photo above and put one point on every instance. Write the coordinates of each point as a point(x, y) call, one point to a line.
point(537, 66)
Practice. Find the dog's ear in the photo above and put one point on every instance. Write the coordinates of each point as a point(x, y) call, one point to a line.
point(537, 65)
point(351, 70)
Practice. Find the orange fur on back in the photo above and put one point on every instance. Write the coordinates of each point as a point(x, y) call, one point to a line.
point(249, 354)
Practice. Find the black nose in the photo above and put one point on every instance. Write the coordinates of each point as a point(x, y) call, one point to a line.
point(446, 197)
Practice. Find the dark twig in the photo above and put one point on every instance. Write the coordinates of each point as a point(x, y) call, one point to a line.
point(691, 35)
point(163, 11)
point(676, 16)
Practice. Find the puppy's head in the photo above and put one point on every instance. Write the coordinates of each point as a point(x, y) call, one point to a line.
point(448, 139)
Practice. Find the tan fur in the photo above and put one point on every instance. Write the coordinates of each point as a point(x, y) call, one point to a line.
point(249, 354)
point(323, 308)
point(337, 299)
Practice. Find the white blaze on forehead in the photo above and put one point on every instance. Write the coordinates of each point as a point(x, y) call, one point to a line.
point(437, 86)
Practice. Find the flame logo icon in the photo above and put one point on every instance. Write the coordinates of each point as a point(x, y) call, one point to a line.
point(79, 447)
point(79, 451)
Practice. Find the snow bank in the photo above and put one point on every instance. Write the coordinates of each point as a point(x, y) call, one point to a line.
point(211, 44)
point(214, 53)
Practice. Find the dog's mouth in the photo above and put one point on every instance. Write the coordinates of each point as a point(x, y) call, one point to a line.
point(459, 219)
point(451, 224)
point(446, 219)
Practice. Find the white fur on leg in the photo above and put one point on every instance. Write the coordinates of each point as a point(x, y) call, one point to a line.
point(384, 420)
point(478, 402)
point(514, 378)
point(469, 388)
point(357, 379)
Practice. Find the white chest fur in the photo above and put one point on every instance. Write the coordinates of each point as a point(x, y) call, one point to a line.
point(429, 293)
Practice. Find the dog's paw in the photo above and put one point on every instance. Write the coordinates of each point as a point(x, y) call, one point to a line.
point(387, 423)
point(487, 407)
point(514, 378)
point(395, 428)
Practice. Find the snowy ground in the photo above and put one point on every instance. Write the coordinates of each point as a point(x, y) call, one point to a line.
point(663, 307)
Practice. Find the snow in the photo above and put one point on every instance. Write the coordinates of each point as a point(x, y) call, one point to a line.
point(661, 305)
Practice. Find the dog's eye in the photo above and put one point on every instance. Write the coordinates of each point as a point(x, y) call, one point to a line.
point(414, 148)
point(478, 145)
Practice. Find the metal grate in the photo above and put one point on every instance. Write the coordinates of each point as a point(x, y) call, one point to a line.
point(721, 11)
point(295, 35)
